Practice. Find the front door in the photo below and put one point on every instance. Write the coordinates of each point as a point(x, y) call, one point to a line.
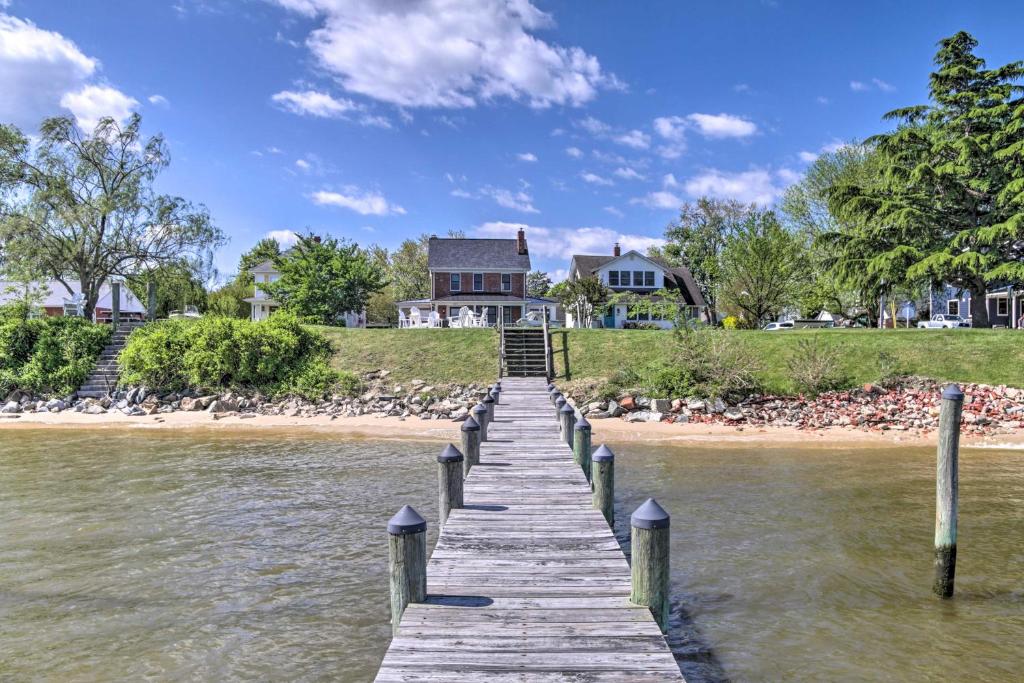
point(609, 317)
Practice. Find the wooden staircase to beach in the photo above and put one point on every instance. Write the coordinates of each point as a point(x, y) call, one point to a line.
point(104, 376)
point(524, 352)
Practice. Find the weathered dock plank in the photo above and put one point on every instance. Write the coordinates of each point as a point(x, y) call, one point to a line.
point(527, 583)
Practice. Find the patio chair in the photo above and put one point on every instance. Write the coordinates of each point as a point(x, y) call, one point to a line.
point(416, 318)
point(532, 319)
point(73, 306)
point(403, 321)
point(433, 320)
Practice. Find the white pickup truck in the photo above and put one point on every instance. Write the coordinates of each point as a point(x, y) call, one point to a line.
point(943, 320)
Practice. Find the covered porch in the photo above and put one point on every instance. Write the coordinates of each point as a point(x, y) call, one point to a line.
point(486, 310)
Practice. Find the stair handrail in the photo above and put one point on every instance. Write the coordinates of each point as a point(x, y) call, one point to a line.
point(501, 347)
point(547, 347)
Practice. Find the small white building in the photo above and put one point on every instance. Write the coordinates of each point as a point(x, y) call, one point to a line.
point(262, 305)
point(57, 300)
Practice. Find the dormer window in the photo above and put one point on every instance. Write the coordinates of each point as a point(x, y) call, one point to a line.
point(456, 282)
point(478, 282)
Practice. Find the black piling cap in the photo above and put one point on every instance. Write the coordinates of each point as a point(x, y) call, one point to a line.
point(406, 522)
point(582, 424)
point(551, 387)
point(567, 408)
point(471, 425)
point(479, 409)
point(451, 453)
point(953, 393)
point(560, 401)
point(604, 454)
point(650, 515)
point(488, 399)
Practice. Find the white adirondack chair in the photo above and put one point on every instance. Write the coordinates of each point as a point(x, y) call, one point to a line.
point(433, 320)
point(73, 306)
point(403, 322)
point(415, 318)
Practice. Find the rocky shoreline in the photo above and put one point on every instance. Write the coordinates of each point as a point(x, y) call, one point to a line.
point(910, 405)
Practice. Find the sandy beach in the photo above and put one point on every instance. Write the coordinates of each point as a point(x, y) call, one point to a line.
point(373, 427)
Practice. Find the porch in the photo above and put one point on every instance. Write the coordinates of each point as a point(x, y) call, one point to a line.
point(486, 310)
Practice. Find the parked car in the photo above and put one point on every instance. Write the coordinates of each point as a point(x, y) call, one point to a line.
point(943, 321)
point(772, 327)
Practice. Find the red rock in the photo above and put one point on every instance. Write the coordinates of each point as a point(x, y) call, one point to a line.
point(628, 403)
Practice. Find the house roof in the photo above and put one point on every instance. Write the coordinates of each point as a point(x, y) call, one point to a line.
point(54, 294)
point(475, 254)
point(676, 277)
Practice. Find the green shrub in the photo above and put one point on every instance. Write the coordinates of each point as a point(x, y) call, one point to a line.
point(731, 322)
point(669, 381)
point(275, 356)
point(50, 355)
point(815, 368)
point(716, 364)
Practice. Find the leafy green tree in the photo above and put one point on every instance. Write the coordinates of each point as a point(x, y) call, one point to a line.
point(408, 269)
point(177, 286)
point(698, 238)
point(322, 279)
point(267, 249)
point(949, 206)
point(537, 283)
point(583, 297)
point(228, 300)
point(763, 265)
point(82, 207)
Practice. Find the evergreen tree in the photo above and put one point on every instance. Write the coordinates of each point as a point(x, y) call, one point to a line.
point(537, 283)
point(949, 205)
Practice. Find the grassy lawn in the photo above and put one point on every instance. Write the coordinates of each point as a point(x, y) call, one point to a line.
point(435, 356)
point(464, 356)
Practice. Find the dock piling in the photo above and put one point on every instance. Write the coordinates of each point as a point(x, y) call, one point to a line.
point(488, 403)
point(581, 446)
point(567, 421)
point(407, 555)
point(559, 402)
point(480, 415)
point(650, 570)
point(603, 482)
point(449, 482)
point(946, 490)
point(470, 445)
point(554, 396)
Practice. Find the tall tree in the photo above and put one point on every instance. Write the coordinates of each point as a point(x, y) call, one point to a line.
point(82, 207)
point(698, 238)
point(950, 204)
point(583, 297)
point(176, 288)
point(408, 270)
point(763, 265)
point(323, 279)
point(537, 283)
point(267, 249)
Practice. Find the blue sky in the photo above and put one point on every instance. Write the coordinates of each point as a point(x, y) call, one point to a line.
point(376, 120)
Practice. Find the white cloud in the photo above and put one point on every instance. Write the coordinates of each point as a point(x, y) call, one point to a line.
point(285, 238)
point(882, 85)
point(158, 100)
point(462, 194)
point(562, 243)
point(595, 179)
point(821, 99)
point(362, 202)
point(858, 86)
point(755, 186)
point(614, 211)
point(828, 148)
point(741, 87)
point(574, 152)
point(593, 126)
point(518, 199)
point(807, 157)
point(375, 121)
point(635, 139)
point(628, 173)
point(303, 164)
point(722, 125)
point(448, 53)
point(313, 103)
point(41, 71)
point(94, 102)
point(660, 199)
point(527, 156)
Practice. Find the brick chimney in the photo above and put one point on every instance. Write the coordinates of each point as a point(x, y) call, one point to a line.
point(316, 238)
point(616, 250)
point(521, 242)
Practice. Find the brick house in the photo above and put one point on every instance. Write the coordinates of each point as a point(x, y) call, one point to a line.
point(486, 275)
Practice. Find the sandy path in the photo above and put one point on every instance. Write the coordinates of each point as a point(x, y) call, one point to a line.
point(368, 426)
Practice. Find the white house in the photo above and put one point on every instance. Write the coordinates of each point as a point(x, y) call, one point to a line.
point(57, 300)
point(634, 272)
point(262, 305)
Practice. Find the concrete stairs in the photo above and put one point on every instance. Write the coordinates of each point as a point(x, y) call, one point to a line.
point(524, 352)
point(103, 378)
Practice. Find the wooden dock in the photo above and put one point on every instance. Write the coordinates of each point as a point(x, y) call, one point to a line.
point(527, 582)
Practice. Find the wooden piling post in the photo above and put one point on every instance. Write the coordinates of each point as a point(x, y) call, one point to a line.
point(553, 395)
point(479, 414)
point(650, 571)
point(581, 445)
point(489, 404)
point(603, 481)
point(559, 402)
point(496, 393)
point(449, 482)
point(470, 445)
point(407, 555)
point(151, 299)
point(567, 421)
point(947, 482)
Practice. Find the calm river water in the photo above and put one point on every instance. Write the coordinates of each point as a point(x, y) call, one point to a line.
point(224, 557)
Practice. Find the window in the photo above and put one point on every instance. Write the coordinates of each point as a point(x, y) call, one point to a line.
point(648, 278)
point(953, 307)
point(624, 278)
point(456, 282)
point(638, 278)
point(1002, 306)
point(478, 282)
point(613, 278)
point(506, 282)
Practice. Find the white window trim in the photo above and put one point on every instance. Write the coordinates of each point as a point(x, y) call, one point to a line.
point(451, 282)
point(481, 288)
point(503, 287)
point(1004, 303)
point(949, 307)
